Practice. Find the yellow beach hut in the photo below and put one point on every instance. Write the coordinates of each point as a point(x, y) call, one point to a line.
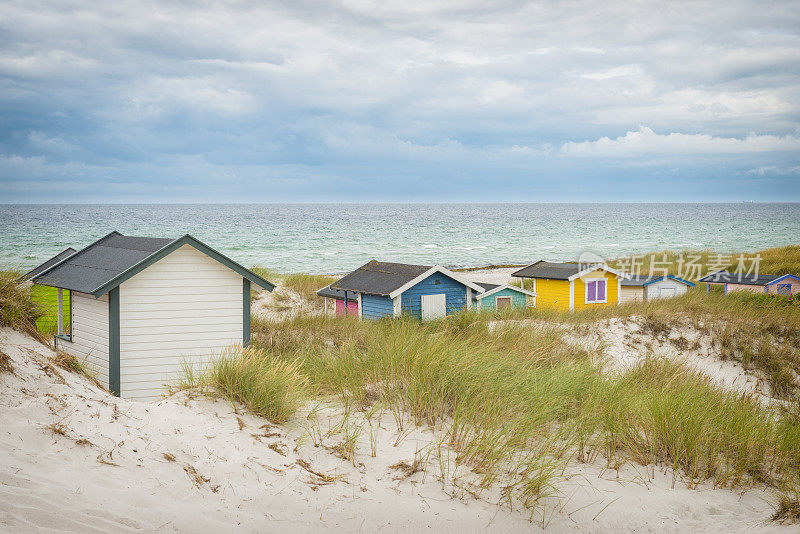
point(571, 286)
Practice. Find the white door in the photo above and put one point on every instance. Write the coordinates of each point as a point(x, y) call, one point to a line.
point(666, 292)
point(434, 306)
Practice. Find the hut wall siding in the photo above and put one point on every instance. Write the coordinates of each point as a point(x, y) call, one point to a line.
point(186, 307)
point(631, 294)
point(745, 287)
point(553, 293)
point(518, 300)
point(654, 289)
point(375, 307)
point(351, 310)
point(89, 333)
point(455, 294)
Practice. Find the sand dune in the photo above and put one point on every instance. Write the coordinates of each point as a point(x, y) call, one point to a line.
point(75, 459)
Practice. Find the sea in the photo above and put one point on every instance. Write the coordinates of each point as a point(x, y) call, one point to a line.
point(335, 238)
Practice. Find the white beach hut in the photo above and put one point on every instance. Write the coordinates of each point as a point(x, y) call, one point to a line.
point(142, 306)
point(638, 288)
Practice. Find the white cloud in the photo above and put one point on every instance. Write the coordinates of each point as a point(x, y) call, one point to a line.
point(645, 141)
point(46, 63)
point(616, 72)
point(773, 169)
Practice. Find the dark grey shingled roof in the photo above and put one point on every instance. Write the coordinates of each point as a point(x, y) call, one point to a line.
point(487, 287)
point(101, 262)
point(379, 278)
point(546, 269)
point(336, 293)
point(639, 279)
point(108, 262)
point(64, 254)
point(724, 277)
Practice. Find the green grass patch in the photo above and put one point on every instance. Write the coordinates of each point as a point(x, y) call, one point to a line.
point(46, 298)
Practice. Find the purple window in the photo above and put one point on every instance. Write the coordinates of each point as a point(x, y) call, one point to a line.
point(596, 291)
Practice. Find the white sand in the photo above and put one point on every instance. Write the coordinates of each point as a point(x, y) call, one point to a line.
point(120, 481)
point(490, 276)
point(624, 344)
point(280, 304)
point(620, 344)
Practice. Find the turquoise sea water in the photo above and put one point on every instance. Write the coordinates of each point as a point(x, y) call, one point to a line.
point(331, 238)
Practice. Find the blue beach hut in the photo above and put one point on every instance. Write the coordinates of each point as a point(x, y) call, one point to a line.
point(384, 289)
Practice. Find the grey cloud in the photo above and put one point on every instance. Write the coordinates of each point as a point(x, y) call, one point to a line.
point(277, 92)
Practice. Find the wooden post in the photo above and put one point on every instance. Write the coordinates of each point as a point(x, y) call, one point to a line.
point(60, 312)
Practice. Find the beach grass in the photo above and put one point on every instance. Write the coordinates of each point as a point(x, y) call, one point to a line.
point(17, 308)
point(519, 404)
point(21, 310)
point(686, 262)
point(759, 331)
point(305, 285)
point(269, 387)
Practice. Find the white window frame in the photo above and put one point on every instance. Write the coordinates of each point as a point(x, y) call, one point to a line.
point(586, 291)
point(510, 301)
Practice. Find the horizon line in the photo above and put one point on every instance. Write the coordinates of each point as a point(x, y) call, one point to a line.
point(419, 202)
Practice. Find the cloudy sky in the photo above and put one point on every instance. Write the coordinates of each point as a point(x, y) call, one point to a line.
point(135, 101)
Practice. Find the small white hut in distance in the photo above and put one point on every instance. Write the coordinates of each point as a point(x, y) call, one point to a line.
point(141, 306)
point(641, 288)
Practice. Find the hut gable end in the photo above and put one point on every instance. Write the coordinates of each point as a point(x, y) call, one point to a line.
point(186, 307)
point(437, 283)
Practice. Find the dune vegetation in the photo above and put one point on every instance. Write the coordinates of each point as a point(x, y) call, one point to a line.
point(519, 406)
point(21, 310)
point(17, 308)
point(761, 332)
point(776, 260)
